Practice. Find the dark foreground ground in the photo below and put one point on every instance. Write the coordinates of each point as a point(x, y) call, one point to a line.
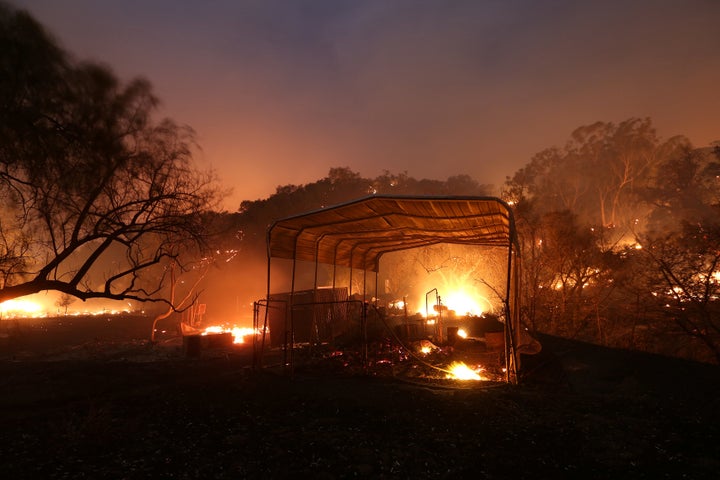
point(126, 411)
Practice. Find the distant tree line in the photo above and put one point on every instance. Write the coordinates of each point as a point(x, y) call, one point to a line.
point(339, 186)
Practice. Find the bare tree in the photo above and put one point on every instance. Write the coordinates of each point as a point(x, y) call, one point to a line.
point(98, 197)
point(176, 302)
point(64, 301)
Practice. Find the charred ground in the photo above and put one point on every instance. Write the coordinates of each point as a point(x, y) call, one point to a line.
point(111, 408)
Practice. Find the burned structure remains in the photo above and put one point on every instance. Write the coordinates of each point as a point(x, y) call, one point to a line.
point(326, 301)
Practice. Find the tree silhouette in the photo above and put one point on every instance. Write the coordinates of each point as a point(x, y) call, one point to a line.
point(98, 197)
point(64, 301)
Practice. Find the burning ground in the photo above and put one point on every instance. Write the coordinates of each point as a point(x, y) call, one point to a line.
point(140, 411)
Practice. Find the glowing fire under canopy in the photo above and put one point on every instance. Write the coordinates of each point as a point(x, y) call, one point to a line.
point(356, 234)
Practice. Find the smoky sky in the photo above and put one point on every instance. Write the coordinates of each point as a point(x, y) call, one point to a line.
point(281, 91)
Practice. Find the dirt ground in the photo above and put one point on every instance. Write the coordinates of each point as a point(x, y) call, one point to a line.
point(124, 409)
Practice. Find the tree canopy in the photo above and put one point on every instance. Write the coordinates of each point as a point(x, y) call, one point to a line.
point(620, 238)
point(340, 185)
point(99, 197)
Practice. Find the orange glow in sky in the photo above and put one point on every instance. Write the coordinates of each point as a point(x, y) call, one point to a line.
point(280, 92)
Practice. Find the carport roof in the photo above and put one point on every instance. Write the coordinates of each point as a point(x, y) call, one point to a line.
point(357, 233)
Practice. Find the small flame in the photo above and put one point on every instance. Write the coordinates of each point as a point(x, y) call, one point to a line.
point(214, 329)
point(397, 304)
point(238, 333)
point(460, 371)
point(426, 347)
point(462, 333)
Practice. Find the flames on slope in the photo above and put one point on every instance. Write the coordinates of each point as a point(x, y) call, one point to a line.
point(21, 307)
point(42, 305)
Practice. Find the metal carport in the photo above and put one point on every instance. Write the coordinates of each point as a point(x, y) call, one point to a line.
point(356, 234)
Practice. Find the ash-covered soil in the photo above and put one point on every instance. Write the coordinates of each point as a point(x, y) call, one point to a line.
point(129, 410)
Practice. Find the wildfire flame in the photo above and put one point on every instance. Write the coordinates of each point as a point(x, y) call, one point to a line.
point(21, 307)
point(463, 301)
point(43, 305)
point(460, 371)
